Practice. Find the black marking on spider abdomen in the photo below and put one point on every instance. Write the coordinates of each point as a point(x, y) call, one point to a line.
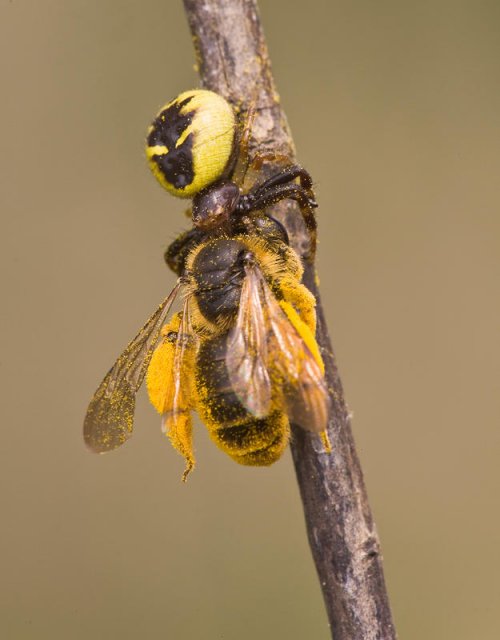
point(177, 164)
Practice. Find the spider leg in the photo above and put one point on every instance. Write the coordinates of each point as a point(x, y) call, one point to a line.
point(177, 252)
point(258, 199)
point(286, 175)
point(243, 162)
point(277, 159)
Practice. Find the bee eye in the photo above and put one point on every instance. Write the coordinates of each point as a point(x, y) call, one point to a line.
point(191, 141)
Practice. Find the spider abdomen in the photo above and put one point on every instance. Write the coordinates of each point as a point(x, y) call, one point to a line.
point(191, 142)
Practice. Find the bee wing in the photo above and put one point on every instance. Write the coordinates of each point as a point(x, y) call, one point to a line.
point(176, 416)
point(176, 400)
point(110, 415)
point(246, 359)
point(305, 391)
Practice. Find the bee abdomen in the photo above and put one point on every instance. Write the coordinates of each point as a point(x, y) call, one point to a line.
point(216, 396)
point(245, 438)
point(256, 442)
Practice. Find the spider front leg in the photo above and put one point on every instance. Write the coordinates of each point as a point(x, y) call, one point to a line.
point(288, 174)
point(274, 190)
point(243, 162)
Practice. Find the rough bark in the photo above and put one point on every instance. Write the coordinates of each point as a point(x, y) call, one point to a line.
point(233, 60)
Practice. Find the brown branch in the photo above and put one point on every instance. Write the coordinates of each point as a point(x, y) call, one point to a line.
point(233, 60)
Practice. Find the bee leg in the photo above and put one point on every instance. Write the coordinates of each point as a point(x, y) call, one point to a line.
point(161, 366)
point(161, 379)
point(177, 252)
point(179, 429)
point(302, 300)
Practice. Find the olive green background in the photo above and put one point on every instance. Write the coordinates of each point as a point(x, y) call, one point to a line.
point(395, 108)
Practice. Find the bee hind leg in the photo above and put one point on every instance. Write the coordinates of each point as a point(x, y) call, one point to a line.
point(160, 380)
point(302, 300)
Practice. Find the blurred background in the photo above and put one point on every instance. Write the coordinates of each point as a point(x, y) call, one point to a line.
point(395, 111)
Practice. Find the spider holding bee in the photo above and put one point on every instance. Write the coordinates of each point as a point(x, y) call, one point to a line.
point(242, 351)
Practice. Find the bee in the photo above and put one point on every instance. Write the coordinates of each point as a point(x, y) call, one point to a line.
point(242, 351)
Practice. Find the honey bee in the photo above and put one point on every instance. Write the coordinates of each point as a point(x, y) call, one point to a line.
point(242, 351)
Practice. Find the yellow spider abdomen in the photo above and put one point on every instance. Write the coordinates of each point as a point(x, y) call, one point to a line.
point(191, 141)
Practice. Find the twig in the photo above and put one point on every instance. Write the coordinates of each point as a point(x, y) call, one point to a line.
point(233, 60)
